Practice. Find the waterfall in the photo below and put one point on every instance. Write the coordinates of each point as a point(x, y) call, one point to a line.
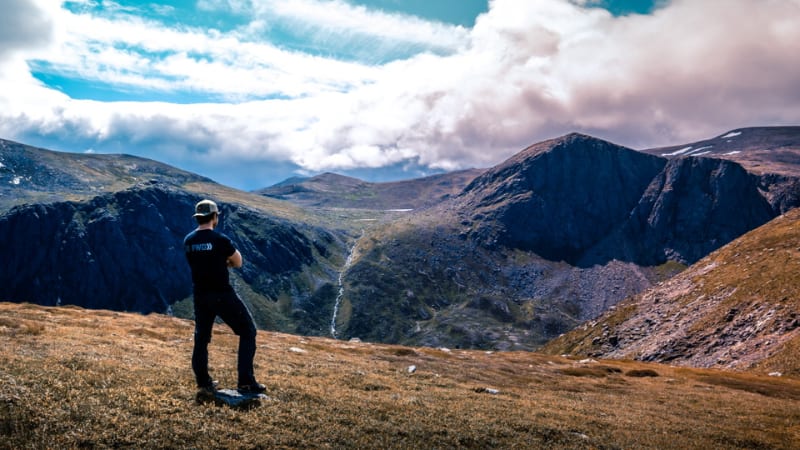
point(340, 294)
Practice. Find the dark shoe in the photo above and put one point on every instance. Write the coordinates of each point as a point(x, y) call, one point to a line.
point(210, 387)
point(207, 393)
point(253, 388)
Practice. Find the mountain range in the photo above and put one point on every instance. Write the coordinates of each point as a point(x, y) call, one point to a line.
point(546, 240)
point(330, 190)
point(505, 258)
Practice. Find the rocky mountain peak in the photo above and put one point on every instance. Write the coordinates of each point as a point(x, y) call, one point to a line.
point(573, 145)
point(560, 197)
point(587, 201)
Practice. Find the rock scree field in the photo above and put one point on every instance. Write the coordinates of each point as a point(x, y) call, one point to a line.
point(75, 378)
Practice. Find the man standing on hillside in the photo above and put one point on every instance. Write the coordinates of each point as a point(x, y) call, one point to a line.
point(210, 254)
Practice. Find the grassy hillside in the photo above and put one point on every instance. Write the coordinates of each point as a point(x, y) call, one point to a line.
point(736, 309)
point(76, 378)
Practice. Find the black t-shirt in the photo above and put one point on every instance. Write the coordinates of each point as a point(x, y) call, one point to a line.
point(207, 252)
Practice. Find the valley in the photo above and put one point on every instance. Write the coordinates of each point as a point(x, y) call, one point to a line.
point(504, 258)
point(578, 295)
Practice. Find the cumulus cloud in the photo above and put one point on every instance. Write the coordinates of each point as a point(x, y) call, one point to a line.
point(535, 70)
point(526, 71)
point(689, 70)
point(23, 26)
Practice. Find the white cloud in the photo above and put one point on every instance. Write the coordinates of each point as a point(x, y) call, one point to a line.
point(327, 20)
point(23, 26)
point(128, 51)
point(527, 71)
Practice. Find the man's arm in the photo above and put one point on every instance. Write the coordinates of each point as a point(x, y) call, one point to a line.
point(235, 260)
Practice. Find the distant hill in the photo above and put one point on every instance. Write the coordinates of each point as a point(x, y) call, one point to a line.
point(330, 190)
point(34, 175)
point(760, 150)
point(74, 378)
point(737, 308)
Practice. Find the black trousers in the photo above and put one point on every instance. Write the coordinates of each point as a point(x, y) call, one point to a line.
point(230, 308)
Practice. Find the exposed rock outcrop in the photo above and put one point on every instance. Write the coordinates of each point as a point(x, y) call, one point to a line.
point(120, 251)
point(561, 197)
point(692, 207)
point(123, 251)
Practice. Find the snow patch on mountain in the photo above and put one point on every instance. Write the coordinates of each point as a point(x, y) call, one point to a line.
point(695, 151)
point(678, 152)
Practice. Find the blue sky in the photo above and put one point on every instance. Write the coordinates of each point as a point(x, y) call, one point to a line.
point(231, 17)
point(249, 92)
point(227, 17)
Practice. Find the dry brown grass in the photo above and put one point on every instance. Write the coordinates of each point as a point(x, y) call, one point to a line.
point(100, 379)
point(14, 327)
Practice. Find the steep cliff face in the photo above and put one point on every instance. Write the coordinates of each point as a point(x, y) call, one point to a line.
point(120, 251)
point(781, 191)
point(123, 251)
point(560, 197)
point(276, 250)
point(771, 153)
point(691, 208)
